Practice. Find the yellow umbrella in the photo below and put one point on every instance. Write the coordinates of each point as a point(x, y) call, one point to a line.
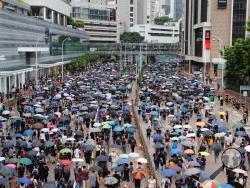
point(222, 113)
point(204, 153)
point(200, 124)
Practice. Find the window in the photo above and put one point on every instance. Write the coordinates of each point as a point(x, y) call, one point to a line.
point(131, 14)
point(222, 4)
point(204, 11)
point(131, 24)
point(131, 2)
point(131, 9)
point(131, 20)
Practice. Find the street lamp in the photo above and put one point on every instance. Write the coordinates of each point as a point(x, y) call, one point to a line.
point(68, 38)
point(221, 43)
point(37, 41)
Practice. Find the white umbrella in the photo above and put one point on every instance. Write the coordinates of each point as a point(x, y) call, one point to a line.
point(2, 158)
point(45, 130)
point(97, 125)
point(77, 160)
point(134, 155)
point(6, 112)
point(70, 139)
point(247, 148)
point(94, 130)
point(240, 171)
point(177, 127)
point(142, 160)
point(191, 135)
point(192, 171)
point(187, 127)
point(219, 135)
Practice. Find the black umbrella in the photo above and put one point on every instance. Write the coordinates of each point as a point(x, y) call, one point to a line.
point(118, 168)
point(88, 147)
point(96, 168)
point(216, 146)
point(207, 133)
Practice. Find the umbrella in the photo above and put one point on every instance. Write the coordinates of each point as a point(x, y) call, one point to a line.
point(224, 185)
point(109, 180)
point(65, 162)
point(118, 129)
point(115, 146)
point(216, 146)
point(154, 113)
point(5, 171)
point(102, 158)
point(97, 125)
point(11, 160)
point(77, 160)
point(204, 129)
point(192, 171)
point(247, 148)
point(187, 127)
point(189, 135)
point(88, 147)
point(158, 146)
point(124, 156)
point(200, 124)
point(39, 110)
point(238, 125)
point(18, 135)
point(122, 161)
point(2, 159)
point(49, 144)
point(80, 133)
point(189, 151)
point(219, 135)
point(7, 144)
point(131, 129)
point(168, 173)
point(96, 168)
point(66, 150)
point(3, 181)
point(223, 129)
point(240, 171)
point(182, 137)
point(27, 132)
point(25, 161)
point(139, 174)
point(126, 125)
point(204, 153)
point(193, 163)
point(174, 138)
point(207, 133)
point(37, 125)
point(142, 160)
point(176, 151)
point(94, 130)
point(210, 184)
point(158, 138)
point(106, 126)
point(175, 167)
point(32, 153)
point(25, 181)
point(70, 139)
point(177, 127)
point(117, 168)
point(241, 133)
point(134, 155)
point(6, 112)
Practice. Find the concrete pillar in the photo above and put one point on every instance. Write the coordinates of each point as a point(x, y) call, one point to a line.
point(52, 16)
point(58, 18)
point(44, 13)
point(64, 21)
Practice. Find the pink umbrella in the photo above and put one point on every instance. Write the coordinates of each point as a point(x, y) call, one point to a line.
point(51, 126)
point(10, 165)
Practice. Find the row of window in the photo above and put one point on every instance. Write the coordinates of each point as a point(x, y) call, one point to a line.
point(163, 34)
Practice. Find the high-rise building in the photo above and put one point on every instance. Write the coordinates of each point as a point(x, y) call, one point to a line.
point(208, 27)
point(175, 9)
point(100, 20)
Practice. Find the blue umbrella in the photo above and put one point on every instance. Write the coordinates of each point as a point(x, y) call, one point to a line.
point(39, 110)
point(102, 158)
point(158, 138)
point(3, 181)
point(154, 113)
point(176, 151)
point(241, 133)
point(24, 180)
point(223, 129)
point(118, 129)
point(18, 135)
point(238, 125)
point(39, 98)
point(122, 161)
point(131, 129)
point(225, 186)
point(62, 128)
point(184, 110)
point(168, 173)
point(27, 132)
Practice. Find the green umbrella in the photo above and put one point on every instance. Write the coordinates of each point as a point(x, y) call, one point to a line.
point(25, 97)
point(25, 161)
point(66, 150)
point(5, 171)
point(107, 126)
point(49, 144)
point(11, 160)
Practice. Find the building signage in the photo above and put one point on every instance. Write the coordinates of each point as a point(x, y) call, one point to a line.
point(207, 40)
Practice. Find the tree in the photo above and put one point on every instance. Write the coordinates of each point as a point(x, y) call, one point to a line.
point(131, 37)
point(76, 23)
point(237, 71)
point(162, 20)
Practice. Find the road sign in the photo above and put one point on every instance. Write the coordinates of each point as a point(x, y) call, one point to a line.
point(245, 88)
point(244, 93)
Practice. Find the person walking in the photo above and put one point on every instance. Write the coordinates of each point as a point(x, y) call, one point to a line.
point(227, 116)
point(85, 174)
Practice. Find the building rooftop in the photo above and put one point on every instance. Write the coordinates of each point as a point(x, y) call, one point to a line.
point(18, 3)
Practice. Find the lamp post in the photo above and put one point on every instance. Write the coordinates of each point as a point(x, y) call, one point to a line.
point(68, 38)
point(37, 41)
point(221, 43)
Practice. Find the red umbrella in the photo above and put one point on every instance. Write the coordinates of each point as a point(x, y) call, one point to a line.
point(65, 162)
